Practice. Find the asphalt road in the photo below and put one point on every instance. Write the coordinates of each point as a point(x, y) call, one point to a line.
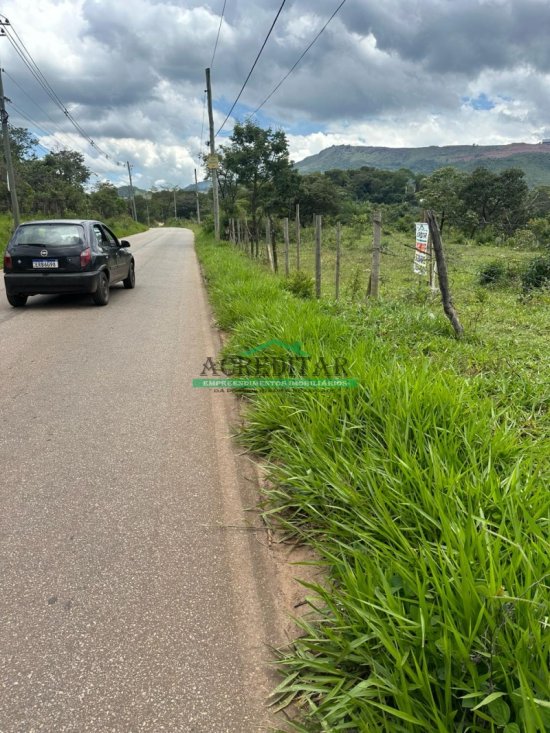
point(132, 595)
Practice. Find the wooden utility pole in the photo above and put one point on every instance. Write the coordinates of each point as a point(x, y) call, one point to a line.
point(7, 154)
point(318, 225)
point(338, 245)
point(298, 236)
point(197, 198)
point(377, 239)
point(448, 306)
point(132, 197)
point(213, 171)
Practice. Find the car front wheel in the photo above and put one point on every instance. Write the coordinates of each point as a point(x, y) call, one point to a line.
point(16, 299)
point(101, 295)
point(130, 281)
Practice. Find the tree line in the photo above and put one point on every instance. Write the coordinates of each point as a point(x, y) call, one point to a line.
point(258, 180)
point(58, 184)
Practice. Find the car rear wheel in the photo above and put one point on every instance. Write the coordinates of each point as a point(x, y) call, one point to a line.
point(130, 281)
point(101, 295)
point(16, 299)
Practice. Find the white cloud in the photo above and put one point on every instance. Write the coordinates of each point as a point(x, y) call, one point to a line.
point(393, 74)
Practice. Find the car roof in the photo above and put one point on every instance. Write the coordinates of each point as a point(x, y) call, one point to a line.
point(61, 221)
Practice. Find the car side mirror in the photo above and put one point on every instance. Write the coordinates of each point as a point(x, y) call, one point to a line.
point(124, 243)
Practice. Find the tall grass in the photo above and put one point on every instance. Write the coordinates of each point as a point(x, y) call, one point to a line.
point(429, 508)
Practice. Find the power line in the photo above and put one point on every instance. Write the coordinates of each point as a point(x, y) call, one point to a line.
point(297, 62)
point(252, 69)
point(218, 36)
point(9, 31)
point(59, 131)
point(42, 129)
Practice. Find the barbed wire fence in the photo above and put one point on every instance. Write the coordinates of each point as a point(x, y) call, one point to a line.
point(340, 261)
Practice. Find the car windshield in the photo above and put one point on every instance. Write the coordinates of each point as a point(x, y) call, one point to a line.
point(52, 234)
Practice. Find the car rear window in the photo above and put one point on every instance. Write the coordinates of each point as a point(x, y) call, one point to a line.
point(58, 234)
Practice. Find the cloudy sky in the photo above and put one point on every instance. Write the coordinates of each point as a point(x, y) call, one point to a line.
point(391, 72)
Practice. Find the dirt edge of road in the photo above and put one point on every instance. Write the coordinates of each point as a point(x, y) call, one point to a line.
point(282, 565)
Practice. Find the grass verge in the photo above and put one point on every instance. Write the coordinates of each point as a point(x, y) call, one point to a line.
point(424, 492)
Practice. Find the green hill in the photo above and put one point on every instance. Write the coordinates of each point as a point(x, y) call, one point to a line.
point(534, 159)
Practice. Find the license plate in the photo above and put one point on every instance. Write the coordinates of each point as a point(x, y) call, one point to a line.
point(45, 264)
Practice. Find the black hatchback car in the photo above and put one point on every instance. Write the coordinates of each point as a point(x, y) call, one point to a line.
point(66, 256)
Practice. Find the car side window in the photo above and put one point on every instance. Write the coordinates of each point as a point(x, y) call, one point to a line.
point(98, 234)
point(109, 236)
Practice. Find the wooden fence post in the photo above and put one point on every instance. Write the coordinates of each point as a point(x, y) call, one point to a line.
point(448, 306)
point(375, 269)
point(298, 236)
point(287, 246)
point(268, 243)
point(318, 236)
point(338, 244)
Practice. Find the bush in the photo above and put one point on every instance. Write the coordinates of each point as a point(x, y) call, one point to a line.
point(537, 274)
point(300, 284)
point(540, 229)
point(497, 273)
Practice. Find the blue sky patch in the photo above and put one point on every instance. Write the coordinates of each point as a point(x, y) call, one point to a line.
point(481, 102)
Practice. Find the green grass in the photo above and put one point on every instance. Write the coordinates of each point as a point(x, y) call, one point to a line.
point(424, 492)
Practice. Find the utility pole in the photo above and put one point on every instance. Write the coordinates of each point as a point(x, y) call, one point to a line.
point(213, 170)
point(7, 154)
point(197, 197)
point(133, 198)
point(175, 209)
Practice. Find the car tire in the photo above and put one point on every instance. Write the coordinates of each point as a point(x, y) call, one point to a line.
point(16, 299)
point(101, 295)
point(130, 281)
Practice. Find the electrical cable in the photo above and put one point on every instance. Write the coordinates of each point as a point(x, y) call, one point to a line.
point(59, 131)
point(46, 132)
point(33, 67)
point(252, 69)
point(297, 62)
point(218, 36)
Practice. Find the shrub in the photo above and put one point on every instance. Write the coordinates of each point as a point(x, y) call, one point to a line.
point(537, 274)
point(300, 284)
point(496, 272)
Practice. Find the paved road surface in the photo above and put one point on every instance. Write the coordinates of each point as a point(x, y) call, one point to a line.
point(130, 599)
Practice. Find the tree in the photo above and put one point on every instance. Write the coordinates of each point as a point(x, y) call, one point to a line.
point(381, 186)
point(440, 192)
point(498, 200)
point(258, 161)
point(106, 202)
point(55, 183)
point(318, 195)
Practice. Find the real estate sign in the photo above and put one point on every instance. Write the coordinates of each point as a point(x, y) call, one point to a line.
point(420, 265)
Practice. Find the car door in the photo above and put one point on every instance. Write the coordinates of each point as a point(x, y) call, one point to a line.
point(120, 254)
point(108, 248)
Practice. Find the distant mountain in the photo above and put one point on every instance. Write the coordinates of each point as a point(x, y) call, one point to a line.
point(125, 192)
point(533, 159)
point(203, 186)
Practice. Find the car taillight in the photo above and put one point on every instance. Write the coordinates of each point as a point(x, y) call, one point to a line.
point(85, 257)
point(7, 261)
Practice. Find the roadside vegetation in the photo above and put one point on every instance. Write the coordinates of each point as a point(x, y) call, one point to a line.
point(424, 493)
point(424, 490)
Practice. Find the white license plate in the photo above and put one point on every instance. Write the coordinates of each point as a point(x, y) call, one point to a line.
point(45, 264)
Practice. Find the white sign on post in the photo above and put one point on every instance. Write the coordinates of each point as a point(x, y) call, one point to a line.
point(421, 248)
